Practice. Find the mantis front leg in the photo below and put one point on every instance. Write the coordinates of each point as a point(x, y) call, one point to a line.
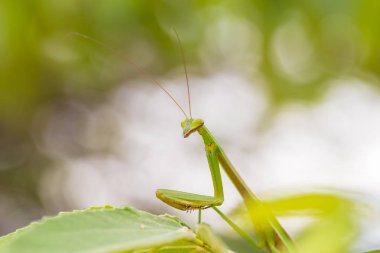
point(190, 201)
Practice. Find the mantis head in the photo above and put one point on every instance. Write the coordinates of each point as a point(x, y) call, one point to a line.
point(191, 125)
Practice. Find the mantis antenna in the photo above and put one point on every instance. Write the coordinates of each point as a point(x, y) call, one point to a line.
point(138, 68)
point(185, 67)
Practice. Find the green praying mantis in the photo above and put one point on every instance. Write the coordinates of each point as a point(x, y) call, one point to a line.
point(270, 233)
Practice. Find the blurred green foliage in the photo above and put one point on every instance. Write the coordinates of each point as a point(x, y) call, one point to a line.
point(334, 225)
point(43, 64)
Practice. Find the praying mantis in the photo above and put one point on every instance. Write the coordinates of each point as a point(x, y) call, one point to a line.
point(269, 231)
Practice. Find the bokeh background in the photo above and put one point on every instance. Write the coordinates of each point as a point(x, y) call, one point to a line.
point(289, 88)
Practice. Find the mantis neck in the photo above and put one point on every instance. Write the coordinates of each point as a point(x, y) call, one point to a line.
point(230, 170)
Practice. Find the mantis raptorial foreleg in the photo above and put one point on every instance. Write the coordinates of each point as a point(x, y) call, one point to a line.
point(190, 201)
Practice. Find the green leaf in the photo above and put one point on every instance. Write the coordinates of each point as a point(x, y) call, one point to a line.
point(102, 229)
point(309, 204)
point(333, 230)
